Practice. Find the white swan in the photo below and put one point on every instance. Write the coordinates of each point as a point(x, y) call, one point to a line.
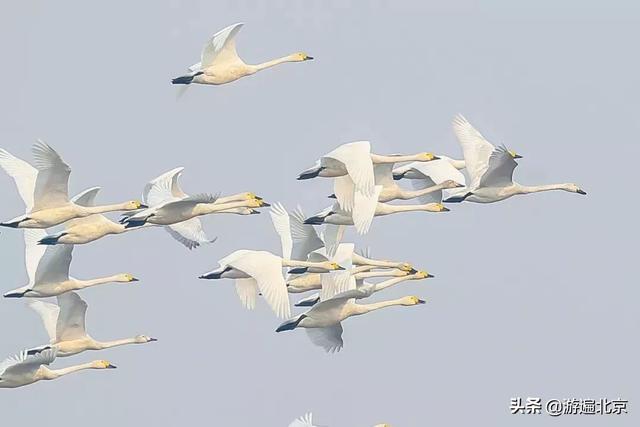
point(48, 270)
point(44, 190)
point(368, 288)
point(334, 215)
point(493, 181)
point(430, 175)
point(313, 281)
point(261, 271)
point(352, 167)
point(24, 369)
point(220, 63)
point(88, 229)
point(165, 188)
point(65, 325)
point(323, 321)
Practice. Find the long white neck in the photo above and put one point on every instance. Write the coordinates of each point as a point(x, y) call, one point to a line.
point(81, 284)
point(52, 374)
point(388, 283)
point(386, 209)
point(526, 189)
point(296, 263)
point(207, 208)
point(100, 345)
point(379, 158)
point(233, 198)
point(272, 63)
point(90, 210)
point(368, 262)
point(387, 273)
point(359, 309)
point(361, 269)
point(411, 194)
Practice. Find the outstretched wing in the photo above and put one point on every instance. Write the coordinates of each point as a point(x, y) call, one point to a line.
point(499, 173)
point(190, 233)
point(87, 197)
point(49, 314)
point(247, 290)
point(305, 237)
point(71, 320)
point(329, 338)
point(23, 363)
point(54, 265)
point(52, 183)
point(164, 187)
point(220, 49)
point(23, 174)
point(303, 421)
point(475, 148)
point(282, 224)
point(356, 157)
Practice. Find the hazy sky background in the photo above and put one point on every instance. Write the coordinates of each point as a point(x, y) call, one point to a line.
point(535, 296)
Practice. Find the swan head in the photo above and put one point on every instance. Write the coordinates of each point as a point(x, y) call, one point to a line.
point(257, 203)
point(332, 266)
point(427, 157)
point(449, 183)
point(405, 266)
point(133, 205)
point(514, 154)
point(102, 364)
point(437, 207)
point(126, 278)
point(423, 275)
point(301, 56)
point(573, 188)
point(412, 300)
point(143, 339)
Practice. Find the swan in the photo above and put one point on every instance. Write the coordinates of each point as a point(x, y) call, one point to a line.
point(409, 172)
point(261, 271)
point(48, 270)
point(323, 321)
point(430, 175)
point(368, 288)
point(65, 325)
point(166, 188)
point(492, 182)
point(312, 281)
point(178, 211)
point(220, 63)
point(44, 190)
point(352, 167)
point(24, 369)
point(334, 215)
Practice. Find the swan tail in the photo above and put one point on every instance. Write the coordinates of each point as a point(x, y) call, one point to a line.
point(186, 80)
point(457, 199)
point(16, 293)
point(298, 270)
point(308, 302)
point(291, 324)
point(51, 240)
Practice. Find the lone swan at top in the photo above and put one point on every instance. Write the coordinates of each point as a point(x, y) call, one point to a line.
point(220, 63)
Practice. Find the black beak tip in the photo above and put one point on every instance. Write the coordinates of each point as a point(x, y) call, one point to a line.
point(517, 156)
point(421, 301)
point(430, 276)
point(153, 339)
point(135, 279)
point(584, 193)
point(143, 206)
point(110, 366)
point(436, 158)
point(413, 271)
point(255, 213)
point(265, 204)
point(309, 58)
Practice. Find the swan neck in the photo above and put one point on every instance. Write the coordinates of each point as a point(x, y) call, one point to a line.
point(272, 63)
point(367, 308)
point(51, 374)
point(115, 343)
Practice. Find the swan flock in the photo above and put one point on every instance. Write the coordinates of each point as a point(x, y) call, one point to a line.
point(315, 257)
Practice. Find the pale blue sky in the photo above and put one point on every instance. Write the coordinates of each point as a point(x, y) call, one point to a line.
point(535, 296)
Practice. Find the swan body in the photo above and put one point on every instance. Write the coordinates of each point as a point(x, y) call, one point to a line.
point(492, 179)
point(24, 369)
point(323, 321)
point(65, 325)
point(220, 63)
point(44, 190)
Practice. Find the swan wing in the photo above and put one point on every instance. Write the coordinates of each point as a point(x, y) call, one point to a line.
point(164, 187)
point(282, 224)
point(329, 337)
point(24, 363)
point(54, 265)
point(344, 190)
point(23, 174)
point(303, 421)
point(383, 174)
point(305, 237)
point(52, 182)
point(221, 48)
point(247, 290)
point(421, 184)
point(335, 282)
point(48, 313)
point(332, 237)
point(190, 233)
point(364, 209)
point(71, 320)
point(266, 269)
point(356, 157)
point(87, 197)
point(499, 173)
point(475, 148)
point(33, 252)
